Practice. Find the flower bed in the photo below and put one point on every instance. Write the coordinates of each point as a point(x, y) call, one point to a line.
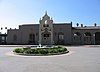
point(41, 51)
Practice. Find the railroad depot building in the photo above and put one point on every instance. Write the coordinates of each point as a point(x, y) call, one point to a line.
point(47, 33)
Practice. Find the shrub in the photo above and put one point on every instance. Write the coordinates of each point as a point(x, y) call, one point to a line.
point(59, 47)
point(36, 51)
point(26, 48)
point(18, 50)
point(41, 51)
point(64, 49)
point(28, 51)
point(33, 51)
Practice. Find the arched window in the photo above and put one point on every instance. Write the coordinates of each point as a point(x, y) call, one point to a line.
point(14, 37)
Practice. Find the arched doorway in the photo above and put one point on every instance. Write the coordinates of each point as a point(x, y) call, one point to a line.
point(87, 38)
point(77, 38)
point(97, 38)
point(3, 38)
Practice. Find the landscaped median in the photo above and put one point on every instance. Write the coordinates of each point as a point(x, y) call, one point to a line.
point(40, 51)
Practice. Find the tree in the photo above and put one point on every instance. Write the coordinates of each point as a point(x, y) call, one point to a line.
point(95, 24)
point(1, 28)
point(5, 27)
point(77, 24)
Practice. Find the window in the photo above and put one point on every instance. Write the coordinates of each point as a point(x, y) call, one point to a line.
point(45, 25)
point(46, 35)
point(46, 22)
point(61, 37)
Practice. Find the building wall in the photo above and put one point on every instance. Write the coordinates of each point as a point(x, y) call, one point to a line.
point(29, 29)
point(65, 29)
point(22, 34)
point(24, 30)
point(83, 39)
point(10, 36)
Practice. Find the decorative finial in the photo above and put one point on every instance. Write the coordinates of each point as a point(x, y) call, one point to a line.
point(45, 12)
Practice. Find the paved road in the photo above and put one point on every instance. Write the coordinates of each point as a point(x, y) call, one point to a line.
point(80, 59)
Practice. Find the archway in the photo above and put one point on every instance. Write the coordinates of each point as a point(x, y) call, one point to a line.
point(97, 38)
point(87, 38)
point(77, 38)
point(3, 38)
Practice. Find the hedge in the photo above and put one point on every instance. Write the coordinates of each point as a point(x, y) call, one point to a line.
point(41, 51)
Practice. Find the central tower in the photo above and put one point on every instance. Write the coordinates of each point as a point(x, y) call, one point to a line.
point(46, 30)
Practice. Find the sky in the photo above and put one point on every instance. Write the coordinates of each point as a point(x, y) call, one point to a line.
point(17, 12)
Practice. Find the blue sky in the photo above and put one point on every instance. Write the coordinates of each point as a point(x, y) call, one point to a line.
point(17, 12)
